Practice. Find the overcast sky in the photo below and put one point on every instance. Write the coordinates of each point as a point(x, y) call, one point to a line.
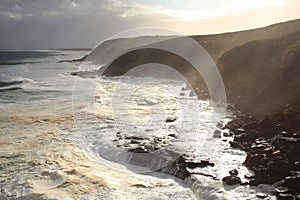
point(42, 24)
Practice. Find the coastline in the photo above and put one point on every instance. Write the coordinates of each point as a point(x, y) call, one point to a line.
point(272, 144)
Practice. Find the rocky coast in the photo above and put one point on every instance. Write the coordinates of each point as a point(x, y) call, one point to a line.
point(272, 144)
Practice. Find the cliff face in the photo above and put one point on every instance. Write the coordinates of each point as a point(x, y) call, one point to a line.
point(262, 76)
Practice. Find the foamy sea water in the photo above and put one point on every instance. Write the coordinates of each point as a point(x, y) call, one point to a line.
point(57, 134)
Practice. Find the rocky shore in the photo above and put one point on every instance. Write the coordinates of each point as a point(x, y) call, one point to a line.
point(272, 145)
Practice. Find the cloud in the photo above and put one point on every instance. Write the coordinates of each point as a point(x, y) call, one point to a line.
point(173, 10)
point(84, 23)
point(188, 10)
point(130, 8)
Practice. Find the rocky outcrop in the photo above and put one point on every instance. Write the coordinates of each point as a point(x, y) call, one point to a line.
point(272, 145)
point(152, 153)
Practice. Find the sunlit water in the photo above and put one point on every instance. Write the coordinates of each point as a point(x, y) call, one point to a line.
point(58, 135)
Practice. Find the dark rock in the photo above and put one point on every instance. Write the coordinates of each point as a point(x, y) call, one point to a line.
point(239, 131)
point(283, 196)
point(172, 135)
point(220, 125)
point(249, 176)
point(266, 123)
point(273, 149)
point(207, 163)
point(234, 124)
point(134, 142)
point(244, 183)
point(179, 167)
point(139, 150)
point(170, 119)
point(253, 160)
point(235, 144)
point(234, 172)
point(250, 125)
point(229, 134)
point(281, 190)
point(118, 134)
point(232, 180)
point(293, 153)
point(249, 136)
point(279, 167)
point(293, 183)
point(217, 134)
point(261, 195)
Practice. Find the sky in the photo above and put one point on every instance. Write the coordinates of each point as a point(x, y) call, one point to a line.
point(45, 24)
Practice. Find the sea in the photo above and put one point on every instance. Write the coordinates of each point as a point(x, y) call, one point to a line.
point(64, 137)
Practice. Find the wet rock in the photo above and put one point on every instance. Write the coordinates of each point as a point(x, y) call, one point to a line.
point(293, 153)
point(253, 160)
point(250, 176)
point(217, 134)
point(250, 125)
point(272, 146)
point(172, 135)
point(220, 125)
point(281, 190)
point(279, 167)
point(266, 123)
point(239, 131)
point(234, 124)
point(231, 180)
point(229, 134)
point(118, 134)
point(179, 167)
point(283, 196)
point(234, 172)
point(293, 183)
point(170, 119)
point(139, 150)
point(261, 195)
point(249, 136)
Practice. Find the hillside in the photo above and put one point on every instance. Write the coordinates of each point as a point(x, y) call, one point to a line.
point(216, 45)
point(262, 76)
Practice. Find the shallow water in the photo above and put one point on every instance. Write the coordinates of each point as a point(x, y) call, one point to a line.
point(58, 135)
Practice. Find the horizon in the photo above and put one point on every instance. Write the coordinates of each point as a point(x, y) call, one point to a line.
point(72, 24)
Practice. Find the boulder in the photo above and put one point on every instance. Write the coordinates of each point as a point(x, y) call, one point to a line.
point(279, 167)
point(234, 172)
point(249, 136)
point(232, 180)
point(170, 119)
